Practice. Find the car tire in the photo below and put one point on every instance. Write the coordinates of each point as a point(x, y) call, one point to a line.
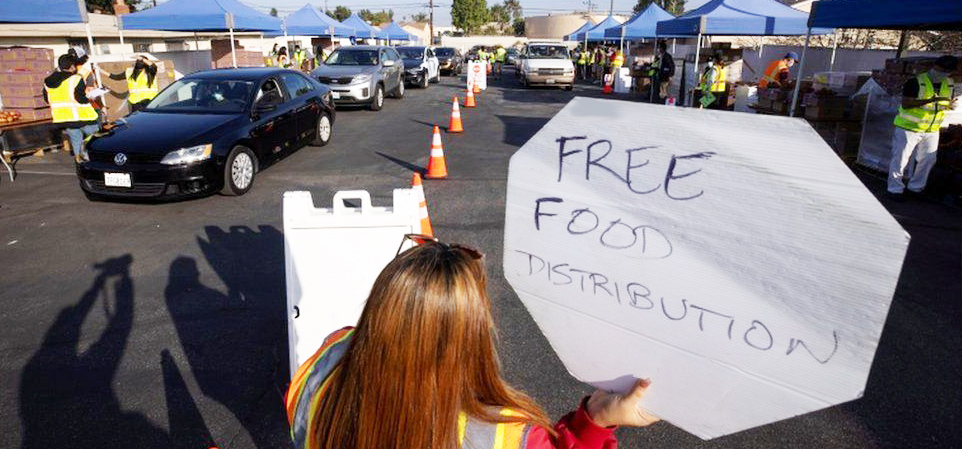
point(569, 87)
point(239, 171)
point(324, 131)
point(377, 100)
point(399, 92)
point(437, 78)
point(424, 80)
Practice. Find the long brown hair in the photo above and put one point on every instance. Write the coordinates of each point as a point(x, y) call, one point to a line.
point(423, 351)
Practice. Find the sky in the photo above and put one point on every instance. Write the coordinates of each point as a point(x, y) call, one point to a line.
point(442, 10)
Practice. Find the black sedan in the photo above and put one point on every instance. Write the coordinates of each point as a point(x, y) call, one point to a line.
point(209, 131)
point(449, 60)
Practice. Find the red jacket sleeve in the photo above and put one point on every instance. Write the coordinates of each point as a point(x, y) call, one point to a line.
point(575, 430)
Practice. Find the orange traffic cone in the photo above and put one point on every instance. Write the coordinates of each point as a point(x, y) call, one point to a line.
point(422, 205)
point(437, 169)
point(476, 89)
point(469, 98)
point(454, 126)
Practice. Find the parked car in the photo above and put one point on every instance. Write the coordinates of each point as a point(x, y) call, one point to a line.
point(420, 66)
point(209, 131)
point(512, 57)
point(362, 74)
point(450, 60)
point(547, 64)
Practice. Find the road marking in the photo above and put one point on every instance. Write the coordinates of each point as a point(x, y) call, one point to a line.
point(31, 172)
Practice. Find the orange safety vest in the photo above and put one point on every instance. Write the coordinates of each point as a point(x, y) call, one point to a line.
point(771, 73)
point(310, 382)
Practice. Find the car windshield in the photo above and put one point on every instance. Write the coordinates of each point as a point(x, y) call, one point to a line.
point(352, 57)
point(444, 52)
point(547, 52)
point(411, 53)
point(201, 95)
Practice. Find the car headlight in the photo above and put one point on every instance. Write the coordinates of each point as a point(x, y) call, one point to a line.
point(362, 78)
point(187, 155)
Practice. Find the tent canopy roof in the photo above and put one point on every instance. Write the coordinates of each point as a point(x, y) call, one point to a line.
point(574, 35)
point(361, 29)
point(597, 32)
point(642, 25)
point(43, 11)
point(740, 18)
point(888, 14)
point(395, 33)
point(200, 15)
point(308, 21)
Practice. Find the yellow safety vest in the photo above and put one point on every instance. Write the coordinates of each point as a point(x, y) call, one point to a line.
point(283, 61)
point(928, 117)
point(64, 107)
point(268, 61)
point(771, 72)
point(137, 89)
point(583, 58)
point(619, 59)
point(299, 57)
point(717, 84)
point(309, 384)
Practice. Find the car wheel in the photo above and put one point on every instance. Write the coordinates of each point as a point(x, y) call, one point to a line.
point(437, 78)
point(378, 101)
point(424, 80)
point(325, 130)
point(399, 92)
point(239, 171)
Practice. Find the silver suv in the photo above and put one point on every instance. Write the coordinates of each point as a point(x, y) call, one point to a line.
point(362, 74)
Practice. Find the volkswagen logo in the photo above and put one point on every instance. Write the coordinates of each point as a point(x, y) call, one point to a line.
point(120, 159)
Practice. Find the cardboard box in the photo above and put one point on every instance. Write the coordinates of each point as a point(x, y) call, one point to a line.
point(116, 100)
point(824, 113)
point(21, 89)
point(24, 102)
point(31, 113)
point(22, 77)
point(19, 65)
point(26, 53)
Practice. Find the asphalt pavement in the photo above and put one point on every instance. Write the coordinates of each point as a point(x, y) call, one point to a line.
point(163, 325)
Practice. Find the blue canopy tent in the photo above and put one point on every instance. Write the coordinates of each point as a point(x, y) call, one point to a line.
point(597, 32)
point(361, 29)
point(308, 21)
point(202, 15)
point(394, 32)
point(740, 18)
point(943, 15)
point(43, 11)
point(574, 35)
point(641, 26)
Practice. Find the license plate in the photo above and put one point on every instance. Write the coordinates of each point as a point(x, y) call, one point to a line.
point(117, 179)
point(549, 81)
point(335, 95)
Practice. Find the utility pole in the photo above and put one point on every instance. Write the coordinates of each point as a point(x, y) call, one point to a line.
point(431, 21)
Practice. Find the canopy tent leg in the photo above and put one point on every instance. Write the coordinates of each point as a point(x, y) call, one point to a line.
point(120, 32)
point(761, 46)
point(831, 65)
point(90, 43)
point(801, 71)
point(902, 39)
point(233, 55)
point(690, 100)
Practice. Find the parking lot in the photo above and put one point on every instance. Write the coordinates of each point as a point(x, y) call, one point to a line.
point(162, 325)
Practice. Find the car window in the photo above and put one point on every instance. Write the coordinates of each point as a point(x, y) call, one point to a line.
point(353, 57)
point(444, 52)
point(203, 95)
point(547, 52)
point(394, 55)
point(296, 84)
point(411, 53)
point(269, 86)
point(430, 53)
point(383, 55)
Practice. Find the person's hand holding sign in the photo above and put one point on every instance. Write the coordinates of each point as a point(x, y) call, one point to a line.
point(614, 409)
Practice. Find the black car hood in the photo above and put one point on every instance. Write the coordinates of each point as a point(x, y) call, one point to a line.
point(412, 63)
point(157, 132)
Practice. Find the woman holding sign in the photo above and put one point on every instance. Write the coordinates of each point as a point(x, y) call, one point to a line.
point(420, 370)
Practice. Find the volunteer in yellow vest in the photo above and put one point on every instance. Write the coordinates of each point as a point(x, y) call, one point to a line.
point(499, 56)
point(712, 85)
point(271, 59)
point(299, 58)
point(617, 60)
point(582, 64)
point(66, 92)
point(421, 371)
point(141, 83)
point(282, 59)
point(777, 73)
point(925, 99)
point(661, 70)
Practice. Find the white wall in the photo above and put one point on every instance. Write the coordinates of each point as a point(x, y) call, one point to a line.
point(464, 43)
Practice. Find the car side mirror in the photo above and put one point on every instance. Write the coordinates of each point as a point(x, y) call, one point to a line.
point(268, 102)
point(388, 63)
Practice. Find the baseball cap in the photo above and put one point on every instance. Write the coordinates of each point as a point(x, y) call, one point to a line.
point(791, 55)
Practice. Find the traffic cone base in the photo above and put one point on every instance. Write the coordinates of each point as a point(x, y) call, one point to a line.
point(455, 126)
point(469, 98)
point(437, 169)
point(422, 205)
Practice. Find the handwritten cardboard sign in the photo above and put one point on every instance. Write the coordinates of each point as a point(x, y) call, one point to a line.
point(732, 258)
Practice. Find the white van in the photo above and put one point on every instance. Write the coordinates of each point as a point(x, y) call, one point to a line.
point(546, 63)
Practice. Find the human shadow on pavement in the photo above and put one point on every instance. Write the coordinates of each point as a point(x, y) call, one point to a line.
point(519, 129)
point(407, 165)
point(67, 396)
point(236, 343)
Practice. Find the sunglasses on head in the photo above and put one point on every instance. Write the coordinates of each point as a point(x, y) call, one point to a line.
point(422, 239)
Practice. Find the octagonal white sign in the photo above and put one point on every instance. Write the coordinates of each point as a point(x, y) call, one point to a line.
point(731, 258)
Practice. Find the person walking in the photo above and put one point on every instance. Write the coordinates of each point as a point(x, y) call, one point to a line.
point(777, 72)
point(421, 370)
point(582, 64)
point(713, 84)
point(66, 92)
point(499, 56)
point(661, 70)
point(925, 99)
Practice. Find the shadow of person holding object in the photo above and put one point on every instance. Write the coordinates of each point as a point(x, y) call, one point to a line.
point(236, 343)
point(67, 395)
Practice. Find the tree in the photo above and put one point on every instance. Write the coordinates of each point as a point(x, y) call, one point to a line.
point(340, 13)
point(274, 12)
point(469, 15)
point(107, 6)
point(518, 27)
point(675, 7)
point(513, 7)
point(499, 15)
point(377, 18)
point(420, 17)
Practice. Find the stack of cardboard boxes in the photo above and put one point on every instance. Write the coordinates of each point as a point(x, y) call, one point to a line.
point(898, 71)
point(221, 58)
point(775, 100)
point(22, 71)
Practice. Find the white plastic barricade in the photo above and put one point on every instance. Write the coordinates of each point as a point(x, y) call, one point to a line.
point(623, 81)
point(332, 257)
point(477, 74)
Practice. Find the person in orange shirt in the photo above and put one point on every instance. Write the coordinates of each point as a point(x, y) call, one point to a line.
point(777, 71)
